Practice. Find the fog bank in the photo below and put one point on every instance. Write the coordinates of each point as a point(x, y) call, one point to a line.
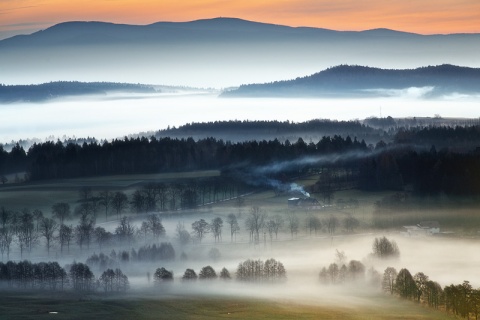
point(116, 116)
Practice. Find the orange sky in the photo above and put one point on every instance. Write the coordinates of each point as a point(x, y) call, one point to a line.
point(420, 16)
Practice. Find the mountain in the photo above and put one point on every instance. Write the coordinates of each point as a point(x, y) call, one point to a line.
point(366, 81)
point(218, 52)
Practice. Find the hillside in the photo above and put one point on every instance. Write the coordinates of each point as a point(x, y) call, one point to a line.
point(52, 90)
point(366, 81)
point(217, 53)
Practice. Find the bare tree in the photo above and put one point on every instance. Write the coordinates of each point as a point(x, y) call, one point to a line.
point(293, 224)
point(255, 222)
point(384, 248)
point(5, 216)
point(388, 280)
point(155, 225)
point(26, 234)
point(38, 216)
point(144, 230)
point(332, 223)
point(6, 238)
point(200, 228)
point(84, 231)
point(102, 236)
point(61, 211)
point(313, 224)
point(125, 231)
point(216, 228)
point(350, 223)
point(234, 227)
point(48, 227)
point(106, 200)
point(182, 234)
point(119, 202)
point(65, 236)
point(85, 193)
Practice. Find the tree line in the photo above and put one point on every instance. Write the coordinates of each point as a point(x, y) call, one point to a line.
point(50, 276)
point(460, 299)
point(269, 271)
point(55, 160)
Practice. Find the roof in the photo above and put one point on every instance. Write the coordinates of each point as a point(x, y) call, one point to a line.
point(429, 224)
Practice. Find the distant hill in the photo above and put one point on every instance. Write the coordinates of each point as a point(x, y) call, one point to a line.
point(366, 81)
point(52, 90)
point(220, 52)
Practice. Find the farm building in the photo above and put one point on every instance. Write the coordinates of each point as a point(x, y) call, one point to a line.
point(423, 228)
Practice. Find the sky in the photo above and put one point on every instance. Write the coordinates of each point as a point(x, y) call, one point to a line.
point(418, 16)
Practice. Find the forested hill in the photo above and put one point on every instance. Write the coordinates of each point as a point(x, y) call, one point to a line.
point(237, 131)
point(51, 90)
point(368, 81)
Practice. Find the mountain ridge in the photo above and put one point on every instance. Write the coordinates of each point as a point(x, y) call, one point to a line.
point(219, 53)
point(361, 80)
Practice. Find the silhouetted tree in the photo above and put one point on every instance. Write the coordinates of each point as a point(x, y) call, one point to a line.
point(48, 227)
point(61, 211)
point(207, 273)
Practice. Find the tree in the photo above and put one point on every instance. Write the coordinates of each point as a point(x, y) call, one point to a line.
point(106, 198)
point(162, 274)
point(125, 231)
point(292, 222)
point(189, 275)
point(65, 236)
point(81, 277)
point(181, 234)
point(313, 224)
point(356, 270)
point(26, 234)
point(48, 227)
point(350, 223)
point(255, 222)
point(61, 211)
point(384, 248)
point(332, 223)
point(155, 225)
point(144, 230)
point(6, 238)
point(38, 216)
point(106, 280)
point(85, 193)
point(216, 228)
point(102, 236)
point(3, 179)
point(84, 231)
point(85, 209)
point(207, 273)
point(138, 203)
point(200, 228)
point(119, 202)
point(224, 274)
point(234, 227)
point(5, 216)
point(388, 280)
point(405, 285)
point(421, 281)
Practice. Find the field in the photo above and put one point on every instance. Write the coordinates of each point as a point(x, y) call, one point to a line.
point(304, 254)
point(30, 306)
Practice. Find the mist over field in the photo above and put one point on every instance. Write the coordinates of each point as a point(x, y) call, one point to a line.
point(114, 116)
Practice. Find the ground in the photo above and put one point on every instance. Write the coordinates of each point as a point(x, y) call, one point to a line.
point(37, 306)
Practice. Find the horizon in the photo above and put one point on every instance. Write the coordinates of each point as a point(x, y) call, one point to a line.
point(4, 35)
point(427, 17)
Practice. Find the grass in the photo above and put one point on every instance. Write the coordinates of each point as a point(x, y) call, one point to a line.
point(43, 194)
point(70, 306)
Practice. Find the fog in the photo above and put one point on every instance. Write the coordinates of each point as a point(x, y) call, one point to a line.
point(114, 116)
